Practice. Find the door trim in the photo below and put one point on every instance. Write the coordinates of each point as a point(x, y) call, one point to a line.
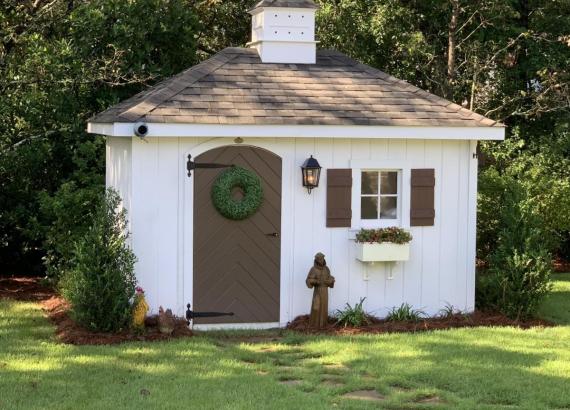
point(186, 274)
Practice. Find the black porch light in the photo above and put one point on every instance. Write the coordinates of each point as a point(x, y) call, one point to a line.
point(311, 173)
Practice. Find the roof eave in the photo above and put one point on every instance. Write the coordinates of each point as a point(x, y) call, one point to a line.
point(160, 130)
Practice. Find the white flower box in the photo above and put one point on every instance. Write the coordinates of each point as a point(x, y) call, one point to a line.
point(382, 252)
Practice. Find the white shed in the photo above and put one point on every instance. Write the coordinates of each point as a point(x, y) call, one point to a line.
point(391, 155)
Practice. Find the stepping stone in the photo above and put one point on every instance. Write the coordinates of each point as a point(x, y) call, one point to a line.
point(262, 372)
point(367, 395)
point(291, 382)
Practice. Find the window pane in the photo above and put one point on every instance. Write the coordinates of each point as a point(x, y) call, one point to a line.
point(390, 183)
point(369, 208)
point(369, 183)
point(388, 207)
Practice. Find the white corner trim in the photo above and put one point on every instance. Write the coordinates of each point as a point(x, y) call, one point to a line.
point(301, 131)
point(237, 326)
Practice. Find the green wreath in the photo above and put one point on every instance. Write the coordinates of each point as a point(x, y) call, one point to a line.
point(226, 182)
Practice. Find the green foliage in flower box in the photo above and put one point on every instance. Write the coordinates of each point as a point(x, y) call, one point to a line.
point(394, 234)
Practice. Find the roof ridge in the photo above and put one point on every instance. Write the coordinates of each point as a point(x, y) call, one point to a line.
point(158, 95)
point(415, 90)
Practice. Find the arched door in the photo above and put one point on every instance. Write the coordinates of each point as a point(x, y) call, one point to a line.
point(237, 263)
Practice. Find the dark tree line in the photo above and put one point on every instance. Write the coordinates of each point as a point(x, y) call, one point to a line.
point(61, 61)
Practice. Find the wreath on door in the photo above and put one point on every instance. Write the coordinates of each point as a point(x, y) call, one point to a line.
point(223, 190)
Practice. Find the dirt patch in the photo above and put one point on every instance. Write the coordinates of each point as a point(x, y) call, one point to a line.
point(291, 382)
point(69, 332)
point(24, 289)
point(368, 395)
point(429, 400)
point(331, 381)
point(333, 384)
point(477, 319)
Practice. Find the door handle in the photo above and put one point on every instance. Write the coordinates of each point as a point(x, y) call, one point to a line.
point(274, 234)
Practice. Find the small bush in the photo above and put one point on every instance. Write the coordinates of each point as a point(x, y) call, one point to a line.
point(354, 316)
point(391, 235)
point(405, 313)
point(100, 282)
point(519, 272)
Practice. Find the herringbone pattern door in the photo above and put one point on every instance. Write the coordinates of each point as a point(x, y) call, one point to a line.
point(237, 263)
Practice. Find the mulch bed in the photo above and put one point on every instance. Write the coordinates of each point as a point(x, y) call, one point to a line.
point(561, 266)
point(69, 332)
point(477, 319)
point(24, 289)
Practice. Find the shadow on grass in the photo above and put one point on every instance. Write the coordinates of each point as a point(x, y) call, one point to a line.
point(468, 372)
point(556, 307)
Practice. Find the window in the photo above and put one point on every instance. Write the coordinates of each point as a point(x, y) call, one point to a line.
point(379, 196)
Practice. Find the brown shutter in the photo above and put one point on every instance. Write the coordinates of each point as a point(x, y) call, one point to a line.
point(339, 198)
point(422, 211)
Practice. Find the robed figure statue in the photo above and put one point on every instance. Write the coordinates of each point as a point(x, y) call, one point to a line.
point(321, 280)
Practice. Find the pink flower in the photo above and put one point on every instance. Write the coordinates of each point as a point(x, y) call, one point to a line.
point(139, 290)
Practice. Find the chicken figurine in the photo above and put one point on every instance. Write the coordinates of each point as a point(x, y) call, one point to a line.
point(166, 321)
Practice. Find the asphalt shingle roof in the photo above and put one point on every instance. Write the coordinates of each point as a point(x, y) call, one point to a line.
point(310, 4)
point(235, 87)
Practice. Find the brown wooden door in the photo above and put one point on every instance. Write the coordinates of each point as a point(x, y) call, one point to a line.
point(237, 263)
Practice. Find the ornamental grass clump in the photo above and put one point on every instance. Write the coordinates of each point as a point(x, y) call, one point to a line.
point(394, 234)
point(405, 313)
point(100, 283)
point(354, 316)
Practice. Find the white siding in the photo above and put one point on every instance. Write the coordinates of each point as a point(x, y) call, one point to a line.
point(119, 168)
point(441, 268)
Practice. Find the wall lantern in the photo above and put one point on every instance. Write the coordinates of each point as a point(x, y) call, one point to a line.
point(311, 173)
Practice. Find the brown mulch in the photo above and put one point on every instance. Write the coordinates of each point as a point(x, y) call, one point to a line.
point(561, 266)
point(69, 332)
point(477, 319)
point(24, 289)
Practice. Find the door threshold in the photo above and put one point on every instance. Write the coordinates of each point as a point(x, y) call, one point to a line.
point(236, 326)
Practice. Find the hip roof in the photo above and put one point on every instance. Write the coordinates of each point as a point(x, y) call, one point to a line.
point(235, 87)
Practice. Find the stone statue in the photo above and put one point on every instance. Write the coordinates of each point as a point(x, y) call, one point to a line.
point(321, 280)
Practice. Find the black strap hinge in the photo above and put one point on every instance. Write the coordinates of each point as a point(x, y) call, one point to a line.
point(191, 165)
point(191, 315)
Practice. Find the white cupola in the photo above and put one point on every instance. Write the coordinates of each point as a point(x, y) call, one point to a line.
point(283, 31)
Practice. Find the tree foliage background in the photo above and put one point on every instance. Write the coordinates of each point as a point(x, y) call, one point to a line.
point(61, 61)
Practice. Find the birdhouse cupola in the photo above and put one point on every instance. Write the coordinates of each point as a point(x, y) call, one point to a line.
point(283, 31)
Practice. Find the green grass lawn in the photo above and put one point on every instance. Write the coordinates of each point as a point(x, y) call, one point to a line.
point(483, 368)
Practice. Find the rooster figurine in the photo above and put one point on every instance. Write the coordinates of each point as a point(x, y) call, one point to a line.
point(140, 309)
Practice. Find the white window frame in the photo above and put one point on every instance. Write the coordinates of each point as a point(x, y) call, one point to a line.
point(404, 191)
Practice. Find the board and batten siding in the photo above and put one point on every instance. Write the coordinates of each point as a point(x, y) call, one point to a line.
point(119, 168)
point(441, 268)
